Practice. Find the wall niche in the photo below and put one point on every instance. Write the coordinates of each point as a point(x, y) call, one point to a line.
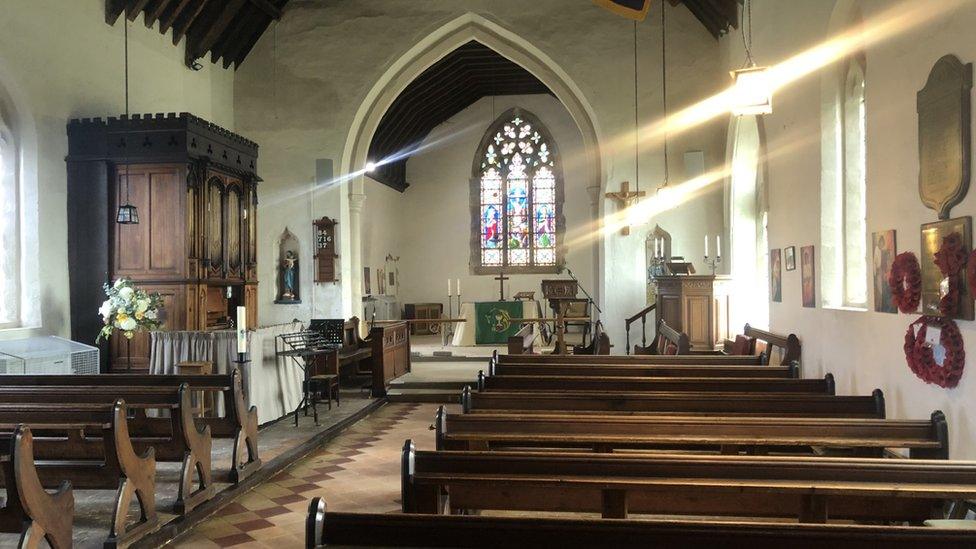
point(288, 291)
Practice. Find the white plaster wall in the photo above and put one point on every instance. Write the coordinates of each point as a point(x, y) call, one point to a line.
point(298, 92)
point(386, 231)
point(436, 233)
point(862, 349)
point(59, 60)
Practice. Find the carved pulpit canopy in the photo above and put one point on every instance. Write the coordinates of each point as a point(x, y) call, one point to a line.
point(943, 107)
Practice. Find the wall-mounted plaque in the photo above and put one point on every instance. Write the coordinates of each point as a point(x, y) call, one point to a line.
point(933, 287)
point(943, 107)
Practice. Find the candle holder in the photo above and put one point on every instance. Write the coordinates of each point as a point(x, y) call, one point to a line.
point(713, 262)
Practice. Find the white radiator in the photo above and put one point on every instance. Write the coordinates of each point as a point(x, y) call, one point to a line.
point(47, 356)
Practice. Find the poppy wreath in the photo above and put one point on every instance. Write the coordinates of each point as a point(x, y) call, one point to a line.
point(949, 259)
point(971, 271)
point(905, 281)
point(921, 359)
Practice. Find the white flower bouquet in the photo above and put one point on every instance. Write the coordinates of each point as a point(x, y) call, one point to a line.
point(128, 309)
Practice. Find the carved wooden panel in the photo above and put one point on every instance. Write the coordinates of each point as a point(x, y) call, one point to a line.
point(132, 241)
point(214, 239)
point(153, 249)
point(234, 229)
point(697, 320)
point(251, 302)
point(173, 316)
point(669, 306)
point(251, 220)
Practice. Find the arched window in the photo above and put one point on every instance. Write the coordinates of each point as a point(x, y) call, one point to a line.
point(517, 197)
point(843, 203)
point(10, 268)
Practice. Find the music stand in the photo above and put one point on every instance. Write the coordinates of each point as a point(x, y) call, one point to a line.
point(302, 348)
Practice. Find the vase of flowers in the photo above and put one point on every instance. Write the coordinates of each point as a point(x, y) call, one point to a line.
point(128, 310)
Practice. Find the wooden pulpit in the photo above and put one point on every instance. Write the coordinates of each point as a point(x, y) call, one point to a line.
point(697, 305)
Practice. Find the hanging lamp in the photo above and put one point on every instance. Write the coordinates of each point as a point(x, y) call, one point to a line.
point(128, 214)
point(751, 90)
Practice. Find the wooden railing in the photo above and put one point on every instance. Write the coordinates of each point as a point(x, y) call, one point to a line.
point(522, 341)
point(642, 316)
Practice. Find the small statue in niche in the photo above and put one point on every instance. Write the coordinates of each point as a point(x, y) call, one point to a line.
point(288, 275)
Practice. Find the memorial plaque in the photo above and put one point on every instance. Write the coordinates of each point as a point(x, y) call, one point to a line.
point(933, 283)
point(943, 107)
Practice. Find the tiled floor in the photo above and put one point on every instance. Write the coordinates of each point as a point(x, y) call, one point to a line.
point(358, 471)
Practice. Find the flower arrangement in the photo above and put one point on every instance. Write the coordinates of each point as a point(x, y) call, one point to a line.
point(128, 309)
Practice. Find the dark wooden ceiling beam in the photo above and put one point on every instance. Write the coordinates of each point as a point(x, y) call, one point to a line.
point(203, 37)
point(113, 9)
point(182, 27)
point(250, 30)
point(268, 8)
point(236, 32)
point(134, 8)
point(166, 21)
point(153, 15)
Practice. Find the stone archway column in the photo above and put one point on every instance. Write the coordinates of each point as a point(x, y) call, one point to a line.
point(356, 202)
point(595, 195)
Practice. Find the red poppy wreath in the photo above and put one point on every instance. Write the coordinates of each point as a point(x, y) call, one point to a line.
point(905, 281)
point(921, 356)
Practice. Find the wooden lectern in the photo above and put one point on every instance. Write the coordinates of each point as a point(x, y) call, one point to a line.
point(697, 305)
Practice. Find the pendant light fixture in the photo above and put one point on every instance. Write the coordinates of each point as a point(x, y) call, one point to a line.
point(751, 92)
point(127, 214)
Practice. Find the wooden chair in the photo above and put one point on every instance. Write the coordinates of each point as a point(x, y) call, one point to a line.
point(683, 403)
point(326, 528)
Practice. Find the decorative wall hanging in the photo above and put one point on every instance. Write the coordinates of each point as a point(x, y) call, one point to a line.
point(944, 291)
point(883, 254)
point(905, 282)
point(934, 350)
point(325, 247)
point(789, 258)
point(944, 135)
point(807, 279)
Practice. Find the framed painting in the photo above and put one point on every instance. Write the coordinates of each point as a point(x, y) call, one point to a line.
point(934, 285)
point(882, 256)
point(366, 281)
point(776, 275)
point(790, 258)
point(808, 279)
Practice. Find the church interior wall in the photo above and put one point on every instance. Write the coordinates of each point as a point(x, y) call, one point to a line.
point(298, 92)
point(863, 349)
point(58, 61)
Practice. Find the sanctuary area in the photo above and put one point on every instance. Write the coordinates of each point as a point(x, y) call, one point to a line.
point(487, 273)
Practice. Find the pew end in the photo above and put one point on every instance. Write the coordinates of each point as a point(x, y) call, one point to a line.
point(407, 461)
point(879, 403)
point(466, 399)
point(940, 432)
point(315, 523)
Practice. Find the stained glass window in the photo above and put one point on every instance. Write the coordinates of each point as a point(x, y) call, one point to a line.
point(519, 197)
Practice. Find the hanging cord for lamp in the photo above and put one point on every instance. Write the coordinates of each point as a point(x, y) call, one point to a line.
point(125, 49)
point(636, 119)
point(664, 89)
point(747, 43)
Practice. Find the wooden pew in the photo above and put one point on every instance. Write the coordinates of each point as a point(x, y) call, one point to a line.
point(667, 341)
point(645, 370)
point(808, 489)
point(642, 384)
point(729, 435)
point(684, 403)
point(390, 354)
point(176, 438)
point(60, 455)
point(28, 510)
point(726, 360)
point(238, 423)
point(354, 350)
point(325, 528)
point(787, 347)
point(521, 342)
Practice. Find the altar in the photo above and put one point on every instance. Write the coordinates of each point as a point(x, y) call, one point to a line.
point(495, 327)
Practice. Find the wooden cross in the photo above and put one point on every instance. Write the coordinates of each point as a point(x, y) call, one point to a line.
point(625, 198)
point(501, 278)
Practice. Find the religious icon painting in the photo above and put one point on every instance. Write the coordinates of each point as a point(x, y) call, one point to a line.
point(366, 281)
point(380, 282)
point(790, 258)
point(776, 275)
point(807, 278)
point(883, 255)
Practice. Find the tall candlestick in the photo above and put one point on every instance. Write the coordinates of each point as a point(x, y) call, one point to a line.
point(241, 330)
point(459, 286)
point(706, 245)
point(449, 294)
point(718, 245)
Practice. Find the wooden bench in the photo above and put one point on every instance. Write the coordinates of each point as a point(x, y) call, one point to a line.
point(354, 350)
point(787, 347)
point(238, 423)
point(27, 509)
point(639, 384)
point(644, 370)
point(667, 341)
point(390, 354)
point(684, 403)
point(176, 438)
point(105, 460)
point(808, 489)
point(325, 528)
point(522, 341)
point(692, 360)
point(729, 435)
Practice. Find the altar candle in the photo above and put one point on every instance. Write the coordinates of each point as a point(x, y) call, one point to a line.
point(656, 250)
point(718, 245)
point(706, 245)
point(241, 330)
point(459, 287)
point(449, 294)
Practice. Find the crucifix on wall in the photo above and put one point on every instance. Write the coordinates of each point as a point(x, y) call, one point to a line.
point(625, 198)
point(501, 278)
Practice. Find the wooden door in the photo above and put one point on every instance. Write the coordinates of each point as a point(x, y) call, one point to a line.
point(214, 227)
point(155, 248)
point(173, 316)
